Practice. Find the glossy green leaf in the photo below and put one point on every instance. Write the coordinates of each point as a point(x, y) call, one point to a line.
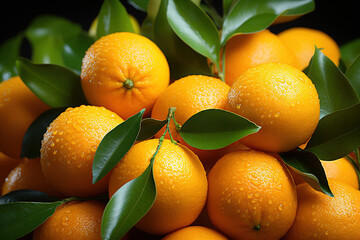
point(26, 195)
point(47, 34)
point(337, 134)
point(34, 134)
point(195, 28)
point(350, 51)
point(74, 50)
point(115, 145)
point(142, 5)
point(112, 18)
point(353, 75)
point(334, 89)
point(57, 86)
point(248, 16)
point(20, 218)
point(183, 60)
point(215, 128)
point(149, 127)
point(9, 52)
point(128, 205)
point(309, 167)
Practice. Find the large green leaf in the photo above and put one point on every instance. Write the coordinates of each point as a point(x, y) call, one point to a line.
point(309, 167)
point(112, 18)
point(353, 74)
point(47, 34)
point(31, 144)
point(55, 85)
point(350, 51)
point(9, 53)
point(337, 134)
point(215, 128)
point(149, 127)
point(249, 16)
point(140, 4)
point(334, 89)
point(128, 205)
point(115, 145)
point(195, 28)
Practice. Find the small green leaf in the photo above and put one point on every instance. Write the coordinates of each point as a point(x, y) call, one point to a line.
point(128, 205)
point(334, 89)
point(353, 75)
point(26, 195)
point(142, 5)
point(215, 128)
point(115, 145)
point(149, 127)
point(34, 134)
point(309, 167)
point(350, 51)
point(195, 28)
point(47, 34)
point(20, 218)
point(337, 134)
point(248, 16)
point(55, 85)
point(112, 18)
point(9, 52)
point(74, 50)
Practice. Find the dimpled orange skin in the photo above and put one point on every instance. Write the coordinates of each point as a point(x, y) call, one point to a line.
point(113, 59)
point(19, 107)
point(302, 42)
point(251, 196)
point(28, 175)
point(180, 182)
point(195, 233)
point(322, 217)
point(68, 149)
point(73, 220)
point(249, 50)
point(6, 165)
point(279, 98)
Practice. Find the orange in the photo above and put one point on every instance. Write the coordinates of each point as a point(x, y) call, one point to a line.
point(302, 42)
point(180, 182)
point(68, 149)
point(19, 107)
point(124, 72)
point(27, 175)
point(320, 216)
point(73, 220)
point(6, 165)
point(244, 51)
point(195, 233)
point(251, 196)
point(279, 98)
point(190, 95)
point(340, 169)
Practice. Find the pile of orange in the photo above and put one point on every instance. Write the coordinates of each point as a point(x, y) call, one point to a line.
point(243, 191)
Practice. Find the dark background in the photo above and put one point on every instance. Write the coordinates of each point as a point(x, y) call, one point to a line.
point(339, 19)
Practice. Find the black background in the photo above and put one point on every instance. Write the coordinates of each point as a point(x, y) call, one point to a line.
point(339, 19)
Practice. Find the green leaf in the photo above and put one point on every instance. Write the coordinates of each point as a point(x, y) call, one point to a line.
point(128, 205)
point(248, 16)
point(334, 89)
point(115, 145)
point(26, 195)
point(47, 34)
point(353, 75)
point(309, 167)
point(74, 50)
point(142, 5)
point(20, 218)
point(55, 85)
point(227, 4)
point(337, 134)
point(9, 52)
point(215, 128)
point(350, 51)
point(183, 60)
point(149, 127)
point(34, 134)
point(195, 28)
point(112, 18)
